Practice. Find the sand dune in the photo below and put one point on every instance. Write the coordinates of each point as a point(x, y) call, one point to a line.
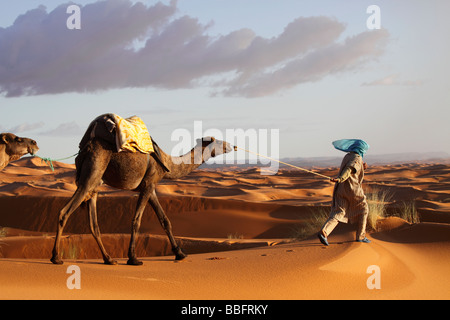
point(237, 227)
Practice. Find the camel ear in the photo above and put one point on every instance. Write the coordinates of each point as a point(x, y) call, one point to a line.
point(5, 138)
point(206, 140)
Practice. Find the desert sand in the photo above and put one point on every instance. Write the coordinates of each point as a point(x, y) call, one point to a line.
point(239, 229)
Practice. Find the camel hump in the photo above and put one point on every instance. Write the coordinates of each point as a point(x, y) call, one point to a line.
point(102, 128)
point(130, 134)
point(126, 135)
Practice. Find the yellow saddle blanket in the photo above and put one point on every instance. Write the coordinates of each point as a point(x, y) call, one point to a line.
point(132, 135)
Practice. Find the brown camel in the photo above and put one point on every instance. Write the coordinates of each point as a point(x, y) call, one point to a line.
point(13, 147)
point(99, 161)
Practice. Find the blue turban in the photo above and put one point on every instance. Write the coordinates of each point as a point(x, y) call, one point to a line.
point(352, 145)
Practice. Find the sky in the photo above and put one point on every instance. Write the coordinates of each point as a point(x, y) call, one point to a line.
point(310, 72)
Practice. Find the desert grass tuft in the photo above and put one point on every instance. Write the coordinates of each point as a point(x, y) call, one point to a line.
point(408, 212)
point(377, 200)
point(306, 229)
point(73, 251)
point(235, 236)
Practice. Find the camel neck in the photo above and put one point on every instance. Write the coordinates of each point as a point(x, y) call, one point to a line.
point(183, 165)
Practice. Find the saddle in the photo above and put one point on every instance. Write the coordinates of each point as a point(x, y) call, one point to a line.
point(128, 135)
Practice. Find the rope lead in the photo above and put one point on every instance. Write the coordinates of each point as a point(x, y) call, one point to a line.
point(49, 161)
point(288, 164)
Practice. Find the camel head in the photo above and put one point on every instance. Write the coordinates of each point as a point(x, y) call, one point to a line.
point(17, 147)
point(213, 147)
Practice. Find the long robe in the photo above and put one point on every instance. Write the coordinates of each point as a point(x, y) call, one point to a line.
point(349, 200)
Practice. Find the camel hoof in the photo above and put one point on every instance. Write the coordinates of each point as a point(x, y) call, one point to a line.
point(110, 262)
point(56, 260)
point(134, 262)
point(180, 255)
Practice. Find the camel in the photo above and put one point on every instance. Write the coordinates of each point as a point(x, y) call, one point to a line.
point(13, 148)
point(99, 161)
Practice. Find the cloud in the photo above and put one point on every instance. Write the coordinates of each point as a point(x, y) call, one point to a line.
point(313, 66)
point(24, 127)
point(393, 80)
point(64, 129)
point(39, 55)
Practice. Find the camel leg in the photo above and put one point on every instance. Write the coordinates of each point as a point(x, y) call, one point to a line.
point(90, 179)
point(64, 215)
point(95, 230)
point(167, 226)
point(136, 223)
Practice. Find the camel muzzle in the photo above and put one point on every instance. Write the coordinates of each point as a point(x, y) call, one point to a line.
point(33, 150)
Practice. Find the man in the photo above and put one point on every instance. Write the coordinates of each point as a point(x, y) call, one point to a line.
point(349, 202)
